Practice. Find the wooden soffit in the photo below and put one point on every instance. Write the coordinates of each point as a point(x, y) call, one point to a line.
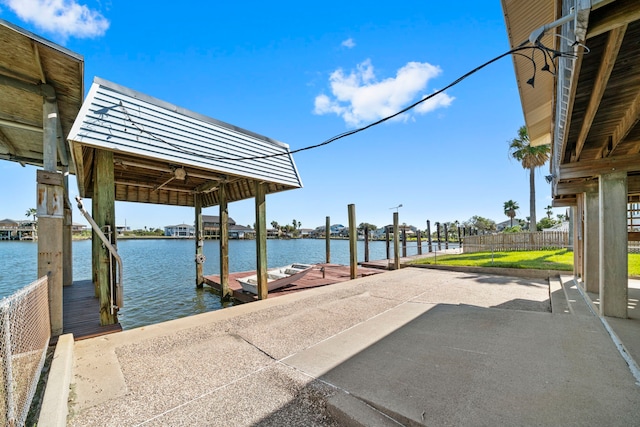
point(31, 69)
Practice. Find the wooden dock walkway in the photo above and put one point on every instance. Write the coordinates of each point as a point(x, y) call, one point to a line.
point(81, 312)
point(333, 273)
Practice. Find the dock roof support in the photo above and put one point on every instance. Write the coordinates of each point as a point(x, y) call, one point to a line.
point(225, 291)
point(261, 240)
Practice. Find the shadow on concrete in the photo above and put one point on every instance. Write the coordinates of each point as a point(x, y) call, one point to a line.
point(468, 365)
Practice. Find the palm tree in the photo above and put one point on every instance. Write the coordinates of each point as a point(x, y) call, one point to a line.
point(31, 212)
point(549, 210)
point(510, 209)
point(531, 157)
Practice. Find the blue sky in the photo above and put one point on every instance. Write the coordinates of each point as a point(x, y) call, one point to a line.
point(300, 73)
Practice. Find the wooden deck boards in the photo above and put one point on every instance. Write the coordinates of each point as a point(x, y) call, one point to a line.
point(333, 273)
point(81, 312)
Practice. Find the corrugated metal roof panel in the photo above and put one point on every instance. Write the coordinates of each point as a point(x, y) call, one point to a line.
point(119, 119)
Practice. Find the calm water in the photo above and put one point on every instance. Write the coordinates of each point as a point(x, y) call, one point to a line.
point(159, 274)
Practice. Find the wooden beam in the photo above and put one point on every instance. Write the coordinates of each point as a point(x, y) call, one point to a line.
point(624, 126)
point(607, 62)
point(572, 96)
point(622, 12)
point(43, 90)
point(20, 124)
point(199, 258)
point(225, 291)
point(103, 212)
point(81, 171)
point(564, 202)
point(261, 239)
point(36, 58)
point(593, 168)
point(6, 142)
point(575, 187)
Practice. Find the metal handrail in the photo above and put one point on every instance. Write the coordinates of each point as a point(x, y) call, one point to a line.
point(113, 251)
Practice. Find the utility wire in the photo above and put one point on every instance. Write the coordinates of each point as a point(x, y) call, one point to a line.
point(515, 51)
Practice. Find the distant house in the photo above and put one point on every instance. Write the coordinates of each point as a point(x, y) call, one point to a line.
point(78, 228)
point(211, 226)
point(241, 232)
point(180, 230)
point(122, 228)
point(18, 230)
point(305, 232)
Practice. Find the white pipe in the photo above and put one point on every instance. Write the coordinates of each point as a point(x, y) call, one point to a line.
point(537, 34)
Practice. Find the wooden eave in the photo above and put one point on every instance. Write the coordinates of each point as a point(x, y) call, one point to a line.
point(31, 69)
point(603, 122)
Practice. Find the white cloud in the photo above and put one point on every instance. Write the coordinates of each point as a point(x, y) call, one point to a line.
point(349, 43)
point(358, 97)
point(63, 18)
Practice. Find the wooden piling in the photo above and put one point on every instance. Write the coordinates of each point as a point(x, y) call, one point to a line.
point(225, 292)
point(199, 249)
point(366, 244)
point(104, 214)
point(429, 236)
point(446, 236)
point(327, 239)
point(261, 240)
point(396, 245)
point(353, 242)
point(404, 242)
point(438, 235)
point(419, 242)
point(387, 238)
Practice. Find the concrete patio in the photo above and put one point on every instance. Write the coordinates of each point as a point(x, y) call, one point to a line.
point(407, 347)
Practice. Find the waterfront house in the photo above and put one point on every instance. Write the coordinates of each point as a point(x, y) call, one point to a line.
point(18, 230)
point(211, 226)
point(180, 230)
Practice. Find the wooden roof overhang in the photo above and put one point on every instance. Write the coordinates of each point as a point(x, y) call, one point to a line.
point(33, 69)
point(593, 123)
point(164, 154)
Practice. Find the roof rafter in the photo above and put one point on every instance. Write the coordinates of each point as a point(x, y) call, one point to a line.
point(624, 126)
point(614, 42)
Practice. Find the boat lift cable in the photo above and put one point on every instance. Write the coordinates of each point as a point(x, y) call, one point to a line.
point(114, 253)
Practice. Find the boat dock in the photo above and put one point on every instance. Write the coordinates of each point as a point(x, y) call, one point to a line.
point(81, 313)
point(320, 275)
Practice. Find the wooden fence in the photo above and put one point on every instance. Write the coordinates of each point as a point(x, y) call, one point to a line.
point(503, 242)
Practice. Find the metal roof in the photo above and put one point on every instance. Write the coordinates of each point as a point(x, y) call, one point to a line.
point(32, 68)
point(164, 153)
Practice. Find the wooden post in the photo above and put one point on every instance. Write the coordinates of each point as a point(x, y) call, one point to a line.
point(438, 235)
point(104, 214)
point(419, 242)
point(396, 245)
point(327, 240)
point(446, 236)
point(50, 207)
point(404, 242)
point(353, 242)
point(261, 239)
point(459, 238)
point(366, 244)
point(225, 292)
point(429, 236)
point(199, 258)
point(67, 239)
point(387, 238)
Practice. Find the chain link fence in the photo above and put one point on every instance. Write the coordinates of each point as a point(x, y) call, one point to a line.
point(24, 337)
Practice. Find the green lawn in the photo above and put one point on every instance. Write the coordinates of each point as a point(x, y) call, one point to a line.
point(543, 260)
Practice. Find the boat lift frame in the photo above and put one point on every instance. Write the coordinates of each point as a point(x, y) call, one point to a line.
point(114, 253)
